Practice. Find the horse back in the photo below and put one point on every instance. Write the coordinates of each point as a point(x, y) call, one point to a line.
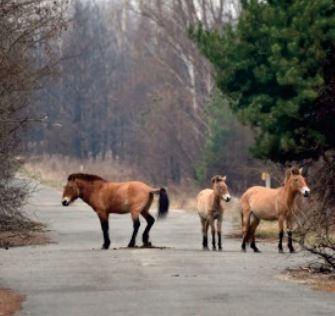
point(123, 197)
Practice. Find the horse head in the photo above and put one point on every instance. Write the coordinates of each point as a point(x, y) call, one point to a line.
point(71, 192)
point(220, 187)
point(296, 182)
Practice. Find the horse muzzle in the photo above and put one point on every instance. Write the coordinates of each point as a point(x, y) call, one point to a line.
point(306, 192)
point(65, 202)
point(227, 198)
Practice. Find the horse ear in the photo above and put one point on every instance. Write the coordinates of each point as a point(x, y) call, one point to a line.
point(213, 180)
point(224, 178)
point(301, 170)
point(288, 173)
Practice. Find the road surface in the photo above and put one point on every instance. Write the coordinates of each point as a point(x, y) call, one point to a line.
point(72, 276)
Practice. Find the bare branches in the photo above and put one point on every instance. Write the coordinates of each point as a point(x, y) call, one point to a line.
point(26, 58)
point(325, 250)
point(316, 219)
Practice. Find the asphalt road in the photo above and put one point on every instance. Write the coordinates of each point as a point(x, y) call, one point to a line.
point(72, 276)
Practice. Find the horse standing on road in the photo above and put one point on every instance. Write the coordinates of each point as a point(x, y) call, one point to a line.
point(259, 203)
point(106, 197)
point(211, 208)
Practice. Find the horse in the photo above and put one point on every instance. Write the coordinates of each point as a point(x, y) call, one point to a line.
point(211, 208)
point(260, 203)
point(107, 197)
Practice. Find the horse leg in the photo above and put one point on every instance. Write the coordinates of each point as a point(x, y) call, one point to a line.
point(204, 227)
point(211, 223)
point(136, 226)
point(281, 233)
point(289, 226)
point(104, 227)
point(218, 229)
point(253, 227)
point(150, 221)
point(245, 228)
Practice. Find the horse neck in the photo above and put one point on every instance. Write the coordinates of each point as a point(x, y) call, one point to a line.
point(216, 199)
point(86, 189)
point(289, 195)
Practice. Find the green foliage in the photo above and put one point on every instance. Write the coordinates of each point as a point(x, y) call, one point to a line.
point(220, 131)
point(271, 68)
point(226, 147)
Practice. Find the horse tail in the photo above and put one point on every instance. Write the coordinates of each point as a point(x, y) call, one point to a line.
point(163, 204)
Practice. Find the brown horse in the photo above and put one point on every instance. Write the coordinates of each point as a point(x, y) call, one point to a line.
point(210, 209)
point(272, 204)
point(106, 197)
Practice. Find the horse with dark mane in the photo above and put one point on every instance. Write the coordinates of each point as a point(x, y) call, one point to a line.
point(107, 197)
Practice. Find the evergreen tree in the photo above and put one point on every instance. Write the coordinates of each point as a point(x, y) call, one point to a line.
point(276, 68)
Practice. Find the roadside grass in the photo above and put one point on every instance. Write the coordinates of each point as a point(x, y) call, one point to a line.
point(38, 176)
point(53, 170)
point(305, 275)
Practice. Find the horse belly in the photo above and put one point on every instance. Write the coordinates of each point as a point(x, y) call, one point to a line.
point(204, 203)
point(266, 211)
point(202, 209)
point(121, 207)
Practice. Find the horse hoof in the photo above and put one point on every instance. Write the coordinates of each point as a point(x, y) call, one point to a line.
point(292, 250)
point(131, 246)
point(214, 249)
point(105, 247)
point(220, 249)
point(147, 245)
point(257, 250)
point(280, 250)
point(205, 248)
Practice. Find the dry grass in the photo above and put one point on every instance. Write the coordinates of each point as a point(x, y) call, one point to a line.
point(318, 281)
point(53, 170)
point(183, 196)
point(19, 239)
point(267, 230)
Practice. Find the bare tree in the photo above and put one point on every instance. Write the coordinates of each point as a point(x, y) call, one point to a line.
point(25, 29)
point(135, 86)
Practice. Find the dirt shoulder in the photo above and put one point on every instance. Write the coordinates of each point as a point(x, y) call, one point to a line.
point(11, 301)
point(317, 281)
point(18, 239)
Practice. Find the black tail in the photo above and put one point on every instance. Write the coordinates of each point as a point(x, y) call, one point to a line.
point(163, 204)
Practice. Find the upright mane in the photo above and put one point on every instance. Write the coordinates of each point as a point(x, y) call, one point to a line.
point(289, 172)
point(85, 177)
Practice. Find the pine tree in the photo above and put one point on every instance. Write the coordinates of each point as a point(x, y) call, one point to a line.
point(276, 67)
